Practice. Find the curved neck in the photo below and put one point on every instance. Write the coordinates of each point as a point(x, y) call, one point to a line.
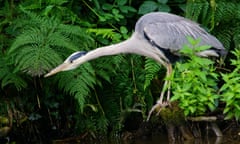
point(133, 45)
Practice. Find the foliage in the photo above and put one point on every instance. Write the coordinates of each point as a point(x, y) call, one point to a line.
point(216, 15)
point(34, 49)
point(151, 70)
point(35, 36)
point(149, 6)
point(60, 9)
point(198, 93)
point(231, 89)
point(79, 83)
point(109, 13)
point(7, 77)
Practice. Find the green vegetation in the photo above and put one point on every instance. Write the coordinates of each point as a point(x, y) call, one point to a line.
point(97, 97)
point(230, 89)
point(198, 91)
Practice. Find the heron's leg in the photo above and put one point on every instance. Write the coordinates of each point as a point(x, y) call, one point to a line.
point(160, 101)
point(169, 72)
point(167, 84)
point(160, 104)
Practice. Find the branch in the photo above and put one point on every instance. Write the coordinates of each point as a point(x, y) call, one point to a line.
point(203, 118)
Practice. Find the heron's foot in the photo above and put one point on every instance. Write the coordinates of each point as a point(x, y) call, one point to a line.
point(158, 107)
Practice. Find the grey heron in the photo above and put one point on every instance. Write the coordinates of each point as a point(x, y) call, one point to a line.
point(157, 35)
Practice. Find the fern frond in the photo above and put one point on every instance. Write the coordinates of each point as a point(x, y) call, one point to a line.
point(102, 124)
point(105, 33)
point(216, 15)
point(151, 70)
point(225, 36)
point(43, 42)
point(7, 77)
point(227, 11)
point(111, 105)
point(36, 60)
point(56, 40)
point(79, 83)
point(78, 34)
point(194, 9)
point(105, 68)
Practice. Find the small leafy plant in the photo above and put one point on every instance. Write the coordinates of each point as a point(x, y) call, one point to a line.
point(231, 89)
point(149, 6)
point(194, 83)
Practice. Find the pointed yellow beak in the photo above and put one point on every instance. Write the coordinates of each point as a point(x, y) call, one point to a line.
point(59, 68)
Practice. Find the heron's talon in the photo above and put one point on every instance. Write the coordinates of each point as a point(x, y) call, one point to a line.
point(159, 105)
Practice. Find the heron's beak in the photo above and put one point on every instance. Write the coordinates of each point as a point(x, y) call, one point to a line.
point(59, 68)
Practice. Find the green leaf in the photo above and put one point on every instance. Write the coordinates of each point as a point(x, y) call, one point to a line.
point(162, 1)
point(48, 9)
point(123, 30)
point(236, 105)
point(211, 106)
point(131, 9)
point(107, 6)
point(115, 11)
point(193, 41)
point(203, 77)
point(93, 107)
point(186, 50)
point(164, 8)
point(202, 48)
point(96, 3)
point(126, 9)
point(121, 2)
point(147, 6)
point(228, 116)
point(58, 2)
point(192, 109)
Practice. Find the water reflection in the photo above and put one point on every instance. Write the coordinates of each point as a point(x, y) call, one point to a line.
point(160, 139)
point(164, 140)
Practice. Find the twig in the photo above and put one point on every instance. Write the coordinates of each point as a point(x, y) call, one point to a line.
point(203, 118)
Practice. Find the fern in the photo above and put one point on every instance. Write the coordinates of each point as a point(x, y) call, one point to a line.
point(228, 12)
point(42, 43)
point(7, 77)
point(78, 83)
point(105, 33)
point(216, 15)
point(111, 105)
point(105, 69)
point(195, 8)
point(151, 70)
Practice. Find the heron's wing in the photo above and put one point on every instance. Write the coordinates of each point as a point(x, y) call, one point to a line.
point(172, 35)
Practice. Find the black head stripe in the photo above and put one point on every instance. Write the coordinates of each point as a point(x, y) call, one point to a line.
point(77, 55)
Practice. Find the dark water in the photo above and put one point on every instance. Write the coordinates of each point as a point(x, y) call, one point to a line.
point(162, 139)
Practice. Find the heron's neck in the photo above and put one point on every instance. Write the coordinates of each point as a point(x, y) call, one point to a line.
point(134, 45)
point(114, 49)
point(126, 46)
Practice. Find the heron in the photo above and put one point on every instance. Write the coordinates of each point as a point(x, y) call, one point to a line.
point(157, 35)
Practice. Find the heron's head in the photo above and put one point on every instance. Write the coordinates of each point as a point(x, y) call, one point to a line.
point(68, 64)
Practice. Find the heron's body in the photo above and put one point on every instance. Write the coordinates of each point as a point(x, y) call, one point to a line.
point(169, 31)
point(157, 35)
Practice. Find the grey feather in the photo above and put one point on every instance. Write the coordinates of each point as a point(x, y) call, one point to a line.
point(169, 31)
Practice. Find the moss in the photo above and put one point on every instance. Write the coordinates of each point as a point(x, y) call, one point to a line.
point(172, 114)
